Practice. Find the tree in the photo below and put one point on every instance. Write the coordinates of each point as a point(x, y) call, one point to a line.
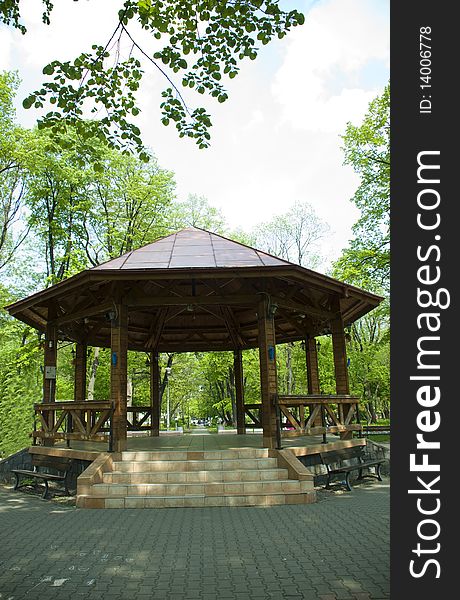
point(14, 152)
point(367, 149)
point(198, 41)
point(293, 235)
point(197, 212)
point(129, 205)
point(366, 262)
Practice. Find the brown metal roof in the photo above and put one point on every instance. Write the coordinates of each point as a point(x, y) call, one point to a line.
point(192, 248)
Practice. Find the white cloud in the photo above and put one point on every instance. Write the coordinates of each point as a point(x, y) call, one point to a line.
point(321, 83)
point(5, 49)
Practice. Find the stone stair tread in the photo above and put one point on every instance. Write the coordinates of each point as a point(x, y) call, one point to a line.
point(197, 501)
point(126, 490)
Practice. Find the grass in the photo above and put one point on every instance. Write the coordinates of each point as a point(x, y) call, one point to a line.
point(379, 437)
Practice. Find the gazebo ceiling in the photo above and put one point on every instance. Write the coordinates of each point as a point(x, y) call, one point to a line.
point(191, 291)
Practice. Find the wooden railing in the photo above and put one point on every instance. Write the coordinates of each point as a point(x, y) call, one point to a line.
point(139, 418)
point(312, 414)
point(82, 421)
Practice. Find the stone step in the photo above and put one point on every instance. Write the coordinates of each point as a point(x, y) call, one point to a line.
point(236, 488)
point(195, 476)
point(235, 454)
point(196, 501)
point(181, 466)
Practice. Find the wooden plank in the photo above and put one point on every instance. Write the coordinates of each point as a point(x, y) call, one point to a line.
point(307, 400)
point(290, 417)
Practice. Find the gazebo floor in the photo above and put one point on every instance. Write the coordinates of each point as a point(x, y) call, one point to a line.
point(201, 441)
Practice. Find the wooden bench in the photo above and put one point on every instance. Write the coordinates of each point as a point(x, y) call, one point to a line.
point(334, 463)
point(39, 461)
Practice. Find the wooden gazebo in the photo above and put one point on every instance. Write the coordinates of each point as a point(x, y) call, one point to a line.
point(194, 291)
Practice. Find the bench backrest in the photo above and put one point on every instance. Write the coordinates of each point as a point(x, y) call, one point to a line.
point(337, 456)
point(59, 463)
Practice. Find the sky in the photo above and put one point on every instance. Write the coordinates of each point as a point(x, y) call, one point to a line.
point(276, 140)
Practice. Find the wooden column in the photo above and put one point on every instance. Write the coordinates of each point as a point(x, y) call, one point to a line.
point(49, 374)
point(239, 391)
point(312, 373)
point(155, 394)
point(49, 364)
point(268, 377)
point(80, 372)
point(340, 364)
point(312, 366)
point(118, 375)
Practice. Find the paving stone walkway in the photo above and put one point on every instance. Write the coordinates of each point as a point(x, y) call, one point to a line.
point(337, 549)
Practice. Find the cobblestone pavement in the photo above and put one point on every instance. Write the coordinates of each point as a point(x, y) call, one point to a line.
point(337, 549)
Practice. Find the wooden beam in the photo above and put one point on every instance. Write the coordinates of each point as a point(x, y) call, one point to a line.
point(80, 372)
point(87, 312)
point(312, 366)
point(189, 300)
point(268, 376)
point(157, 329)
point(118, 375)
point(305, 309)
point(339, 348)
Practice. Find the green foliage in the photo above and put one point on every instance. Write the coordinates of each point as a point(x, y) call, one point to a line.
point(197, 212)
point(367, 149)
point(10, 13)
point(366, 262)
point(20, 379)
point(15, 152)
point(293, 236)
point(199, 42)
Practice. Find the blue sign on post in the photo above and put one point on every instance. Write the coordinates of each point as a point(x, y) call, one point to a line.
point(271, 352)
point(114, 359)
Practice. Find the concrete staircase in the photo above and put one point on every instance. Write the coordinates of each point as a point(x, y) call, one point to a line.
point(240, 477)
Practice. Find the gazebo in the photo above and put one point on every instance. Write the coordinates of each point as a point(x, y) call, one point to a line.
point(194, 291)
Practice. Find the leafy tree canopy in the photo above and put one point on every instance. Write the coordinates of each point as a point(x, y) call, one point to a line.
point(196, 44)
point(367, 149)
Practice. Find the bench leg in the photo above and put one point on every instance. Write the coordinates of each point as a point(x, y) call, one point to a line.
point(16, 483)
point(379, 475)
point(360, 474)
point(45, 493)
point(347, 481)
point(328, 482)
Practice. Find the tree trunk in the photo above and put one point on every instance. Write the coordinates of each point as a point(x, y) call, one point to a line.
point(289, 375)
point(92, 378)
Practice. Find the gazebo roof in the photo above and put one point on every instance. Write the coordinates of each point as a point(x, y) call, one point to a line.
point(192, 248)
point(191, 291)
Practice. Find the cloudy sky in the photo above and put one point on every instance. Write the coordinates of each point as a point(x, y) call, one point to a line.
point(277, 139)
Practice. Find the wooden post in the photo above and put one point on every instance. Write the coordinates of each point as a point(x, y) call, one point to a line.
point(80, 373)
point(268, 377)
point(342, 385)
point(312, 373)
point(49, 364)
point(312, 366)
point(118, 375)
point(239, 391)
point(155, 394)
point(49, 374)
